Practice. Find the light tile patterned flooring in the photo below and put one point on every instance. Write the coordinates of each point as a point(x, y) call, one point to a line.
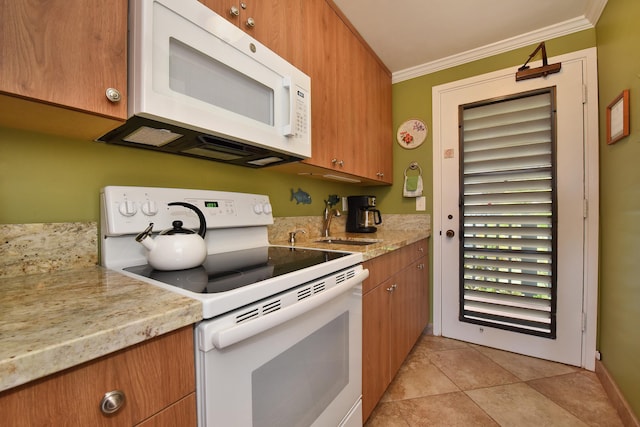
point(445, 382)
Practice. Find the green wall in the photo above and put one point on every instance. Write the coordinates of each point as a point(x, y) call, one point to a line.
point(45, 178)
point(618, 39)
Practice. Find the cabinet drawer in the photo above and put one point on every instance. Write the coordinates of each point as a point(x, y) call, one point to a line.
point(416, 250)
point(152, 375)
point(384, 266)
point(381, 268)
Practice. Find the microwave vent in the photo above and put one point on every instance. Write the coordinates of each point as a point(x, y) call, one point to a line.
point(151, 136)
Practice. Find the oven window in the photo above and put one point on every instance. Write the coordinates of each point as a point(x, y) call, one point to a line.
point(295, 387)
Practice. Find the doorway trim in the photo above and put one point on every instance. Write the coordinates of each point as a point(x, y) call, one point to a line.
point(591, 183)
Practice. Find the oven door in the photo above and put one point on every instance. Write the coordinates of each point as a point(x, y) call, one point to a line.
point(305, 371)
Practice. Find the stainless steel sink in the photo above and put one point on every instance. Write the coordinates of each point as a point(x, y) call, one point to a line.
point(354, 242)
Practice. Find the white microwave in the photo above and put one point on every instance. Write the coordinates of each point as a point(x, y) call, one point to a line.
point(199, 86)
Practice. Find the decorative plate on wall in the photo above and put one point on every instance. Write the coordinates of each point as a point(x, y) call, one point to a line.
point(412, 133)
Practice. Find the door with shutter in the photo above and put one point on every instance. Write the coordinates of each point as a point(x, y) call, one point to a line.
point(510, 202)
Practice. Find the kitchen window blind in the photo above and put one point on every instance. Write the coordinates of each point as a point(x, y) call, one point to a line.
point(508, 213)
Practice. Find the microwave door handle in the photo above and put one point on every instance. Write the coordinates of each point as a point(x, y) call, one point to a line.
point(287, 82)
point(234, 334)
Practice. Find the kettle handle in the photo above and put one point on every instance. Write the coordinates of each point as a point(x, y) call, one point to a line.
point(203, 222)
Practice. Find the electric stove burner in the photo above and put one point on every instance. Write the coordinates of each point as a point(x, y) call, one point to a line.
point(231, 270)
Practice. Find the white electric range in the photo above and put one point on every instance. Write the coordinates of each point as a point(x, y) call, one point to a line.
point(281, 339)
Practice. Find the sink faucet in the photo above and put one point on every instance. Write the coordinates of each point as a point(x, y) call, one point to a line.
point(329, 213)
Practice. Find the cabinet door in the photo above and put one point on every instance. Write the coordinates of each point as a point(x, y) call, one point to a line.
point(407, 313)
point(320, 40)
point(374, 120)
point(65, 52)
point(382, 137)
point(375, 347)
point(276, 24)
point(350, 146)
point(152, 375)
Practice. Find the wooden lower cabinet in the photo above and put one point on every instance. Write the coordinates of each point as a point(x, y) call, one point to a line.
point(157, 378)
point(395, 311)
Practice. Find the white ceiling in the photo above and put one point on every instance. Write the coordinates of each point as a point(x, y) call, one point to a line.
point(416, 37)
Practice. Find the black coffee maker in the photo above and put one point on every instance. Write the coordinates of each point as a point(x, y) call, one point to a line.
point(362, 214)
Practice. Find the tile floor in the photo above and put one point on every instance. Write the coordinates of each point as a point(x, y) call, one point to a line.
point(445, 382)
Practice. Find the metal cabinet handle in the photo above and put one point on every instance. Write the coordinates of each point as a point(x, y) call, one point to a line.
point(234, 11)
point(420, 266)
point(113, 95)
point(337, 162)
point(250, 23)
point(421, 249)
point(111, 402)
point(392, 287)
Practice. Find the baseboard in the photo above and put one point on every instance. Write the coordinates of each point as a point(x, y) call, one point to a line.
point(428, 330)
point(615, 396)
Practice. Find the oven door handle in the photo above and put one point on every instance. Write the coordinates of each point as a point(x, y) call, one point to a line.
point(226, 337)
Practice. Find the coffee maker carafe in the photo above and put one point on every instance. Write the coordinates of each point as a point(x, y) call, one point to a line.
point(362, 214)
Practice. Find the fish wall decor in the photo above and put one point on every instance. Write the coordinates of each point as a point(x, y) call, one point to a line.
point(300, 196)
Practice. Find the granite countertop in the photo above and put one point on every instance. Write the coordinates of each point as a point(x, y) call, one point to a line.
point(386, 241)
point(54, 321)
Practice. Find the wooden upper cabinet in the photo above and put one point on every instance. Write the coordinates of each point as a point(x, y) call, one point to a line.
point(319, 62)
point(350, 89)
point(276, 23)
point(65, 52)
point(351, 100)
point(381, 127)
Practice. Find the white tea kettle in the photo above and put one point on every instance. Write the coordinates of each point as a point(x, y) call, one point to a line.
point(176, 248)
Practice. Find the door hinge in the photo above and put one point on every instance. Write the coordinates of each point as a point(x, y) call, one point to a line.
point(584, 94)
point(584, 322)
point(585, 208)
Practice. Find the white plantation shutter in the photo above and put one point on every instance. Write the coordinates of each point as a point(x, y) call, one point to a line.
point(508, 213)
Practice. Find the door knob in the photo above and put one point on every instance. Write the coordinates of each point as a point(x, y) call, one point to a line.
point(450, 233)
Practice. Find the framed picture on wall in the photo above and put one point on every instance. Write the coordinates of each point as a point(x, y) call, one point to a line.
point(618, 118)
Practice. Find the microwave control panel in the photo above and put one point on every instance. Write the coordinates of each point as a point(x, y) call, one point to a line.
point(302, 113)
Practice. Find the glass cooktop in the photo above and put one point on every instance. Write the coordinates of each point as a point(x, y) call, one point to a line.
point(231, 270)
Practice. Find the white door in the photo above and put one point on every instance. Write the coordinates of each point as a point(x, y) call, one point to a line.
point(457, 312)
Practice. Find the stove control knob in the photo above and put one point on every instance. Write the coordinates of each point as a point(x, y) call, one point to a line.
point(267, 208)
point(128, 208)
point(257, 208)
point(149, 208)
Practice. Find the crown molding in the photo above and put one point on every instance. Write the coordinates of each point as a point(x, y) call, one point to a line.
point(564, 28)
point(594, 10)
